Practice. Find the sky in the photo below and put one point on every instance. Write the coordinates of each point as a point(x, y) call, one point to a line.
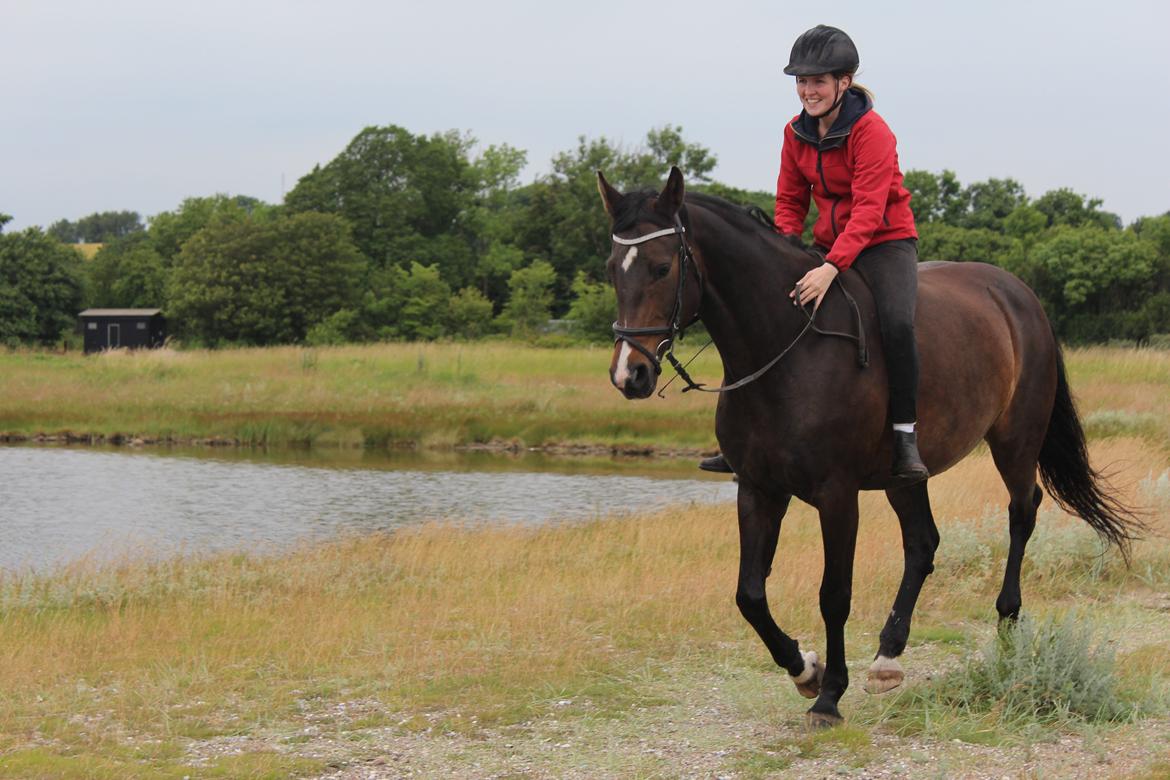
point(138, 104)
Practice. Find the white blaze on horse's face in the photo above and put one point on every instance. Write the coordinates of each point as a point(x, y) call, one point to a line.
point(622, 372)
point(631, 256)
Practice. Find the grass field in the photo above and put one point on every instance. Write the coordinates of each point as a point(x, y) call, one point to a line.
point(439, 395)
point(606, 648)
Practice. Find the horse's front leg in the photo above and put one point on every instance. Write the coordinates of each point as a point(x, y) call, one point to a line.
point(838, 511)
point(759, 529)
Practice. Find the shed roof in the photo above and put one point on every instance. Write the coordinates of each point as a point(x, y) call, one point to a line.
point(120, 312)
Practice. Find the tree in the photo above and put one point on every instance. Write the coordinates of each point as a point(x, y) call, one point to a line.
point(530, 303)
point(562, 220)
point(127, 273)
point(1025, 223)
point(940, 241)
point(403, 194)
point(991, 202)
point(593, 309)
point(97, 228)
point(4, 220)
point(469, 313)
point(425, 301)
point(40, 288)
point(1088, 276)
point(491, 220)
point(935, 197)
point(1065, 207)
point(666, 147)
point(1155, 230)
point(171, 229)
point(259, 283)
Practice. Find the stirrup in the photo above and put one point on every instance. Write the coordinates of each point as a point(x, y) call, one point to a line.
point(716, 463)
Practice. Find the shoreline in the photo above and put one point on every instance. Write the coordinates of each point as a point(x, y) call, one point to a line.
point(498, 446)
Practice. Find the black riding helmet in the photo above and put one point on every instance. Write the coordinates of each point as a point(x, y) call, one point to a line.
point(822, 49)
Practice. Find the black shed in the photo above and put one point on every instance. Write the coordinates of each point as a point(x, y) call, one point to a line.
point(114, 328)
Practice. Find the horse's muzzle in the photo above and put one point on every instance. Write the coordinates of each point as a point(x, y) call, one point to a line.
point(639, 382)
point(631, 373)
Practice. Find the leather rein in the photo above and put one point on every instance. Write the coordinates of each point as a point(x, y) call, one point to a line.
point(674, 329)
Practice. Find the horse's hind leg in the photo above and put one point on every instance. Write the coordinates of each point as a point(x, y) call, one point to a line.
point(1025, 498)
point(1015, 441)
point(919, 542)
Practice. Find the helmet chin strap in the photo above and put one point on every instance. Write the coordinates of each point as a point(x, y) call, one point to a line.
point(837, 102)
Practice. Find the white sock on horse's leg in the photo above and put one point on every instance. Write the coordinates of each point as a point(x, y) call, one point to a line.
point(905, 427)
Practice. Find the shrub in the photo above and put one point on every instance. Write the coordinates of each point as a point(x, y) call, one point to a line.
point(1032, 675)
point(469, 313)
point(592, 310)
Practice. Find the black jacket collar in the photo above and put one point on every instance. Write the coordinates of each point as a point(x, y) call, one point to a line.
point(855, 105)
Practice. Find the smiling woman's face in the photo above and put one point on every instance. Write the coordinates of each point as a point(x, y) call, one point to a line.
point(818, 93)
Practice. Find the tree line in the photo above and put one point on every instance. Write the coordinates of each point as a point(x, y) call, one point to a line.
point(411, 236)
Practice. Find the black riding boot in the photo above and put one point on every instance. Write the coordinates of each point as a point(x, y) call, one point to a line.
point(908, 465)
point(715, 463)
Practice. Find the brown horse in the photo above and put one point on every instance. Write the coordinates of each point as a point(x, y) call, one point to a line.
point(815, 425)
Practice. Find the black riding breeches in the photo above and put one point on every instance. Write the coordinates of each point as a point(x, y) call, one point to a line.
point(891, 271)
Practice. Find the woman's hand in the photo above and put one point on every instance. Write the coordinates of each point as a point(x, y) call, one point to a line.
point(813, 285)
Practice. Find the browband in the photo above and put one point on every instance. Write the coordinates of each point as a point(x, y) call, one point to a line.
point(648, 236)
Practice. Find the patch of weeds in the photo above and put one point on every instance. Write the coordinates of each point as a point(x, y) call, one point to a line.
point(964, 551)
point(1145, 673)
point(855, 742)
point(761, 763)
point(456, 723)
point(297, 739)
point(1105, 423)
point(45, 763)
point(1031, 678)
point(1155, 490)
point(415, 724)
point(197, 728)
point(1071, 555)
point(263, 766)
point(940, 634)
point(1157, 771)
point(376, 720)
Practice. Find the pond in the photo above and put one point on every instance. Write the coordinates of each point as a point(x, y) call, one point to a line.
point(63, 504)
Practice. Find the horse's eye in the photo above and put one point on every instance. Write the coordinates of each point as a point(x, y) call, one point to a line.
point(660, 271)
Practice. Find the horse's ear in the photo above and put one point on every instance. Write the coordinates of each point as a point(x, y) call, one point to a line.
point(609, 196)
point(671, 198)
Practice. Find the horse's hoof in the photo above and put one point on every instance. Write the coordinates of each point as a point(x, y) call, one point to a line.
point(885, 674)
point(819, 721)
point(808, 682)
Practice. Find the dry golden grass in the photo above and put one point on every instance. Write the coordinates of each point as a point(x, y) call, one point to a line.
point(482, 626)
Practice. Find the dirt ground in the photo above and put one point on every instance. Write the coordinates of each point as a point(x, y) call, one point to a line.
point(728, 724)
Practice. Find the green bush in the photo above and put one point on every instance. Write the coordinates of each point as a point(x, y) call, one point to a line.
point(592, 310)
point(470, 314)
point(1047, 674)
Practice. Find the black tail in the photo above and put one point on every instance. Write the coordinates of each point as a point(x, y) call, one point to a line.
point(1072, 482)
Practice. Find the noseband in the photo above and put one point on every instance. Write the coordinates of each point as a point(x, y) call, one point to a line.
point(674, 329)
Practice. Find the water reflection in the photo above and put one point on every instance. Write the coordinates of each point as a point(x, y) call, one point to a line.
point(60, 504)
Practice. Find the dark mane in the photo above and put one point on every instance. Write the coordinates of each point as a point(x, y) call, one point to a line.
point(741, 217)
point(634, 207)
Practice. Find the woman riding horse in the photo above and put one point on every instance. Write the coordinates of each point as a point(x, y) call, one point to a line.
point(842, 153)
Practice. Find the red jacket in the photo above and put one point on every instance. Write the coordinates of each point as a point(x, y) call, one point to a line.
point(854, 176)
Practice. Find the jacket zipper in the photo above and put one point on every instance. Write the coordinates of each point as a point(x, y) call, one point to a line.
point(836, 198)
